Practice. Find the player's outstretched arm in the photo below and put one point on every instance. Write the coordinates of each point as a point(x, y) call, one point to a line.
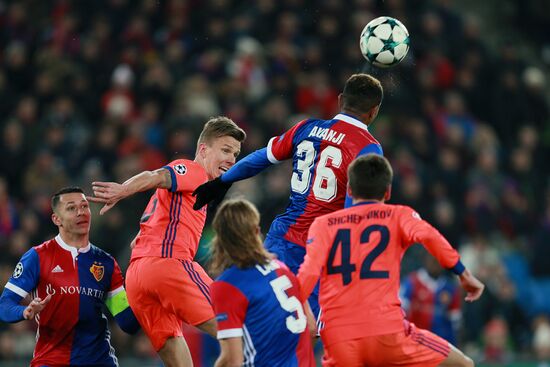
point(216, 189)
point(210, 191)
point(473, 287)
point(110, 193)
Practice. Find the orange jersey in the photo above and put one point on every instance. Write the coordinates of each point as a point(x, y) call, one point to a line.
point(169, 226)
point(357, 253)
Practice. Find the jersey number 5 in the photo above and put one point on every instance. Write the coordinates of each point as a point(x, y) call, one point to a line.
point(325, 185)
point(346, 268)
point(296, 324)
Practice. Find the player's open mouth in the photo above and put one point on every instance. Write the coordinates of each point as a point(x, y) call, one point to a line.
point(223, 169)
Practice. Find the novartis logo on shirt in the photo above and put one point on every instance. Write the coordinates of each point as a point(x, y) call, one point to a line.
point(71, 289)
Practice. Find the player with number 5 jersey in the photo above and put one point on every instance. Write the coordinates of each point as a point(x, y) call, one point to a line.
point(357, 253)
point(261, 321)
point(321, 151)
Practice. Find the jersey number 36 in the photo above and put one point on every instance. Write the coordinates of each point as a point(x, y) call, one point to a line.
point(324, 185)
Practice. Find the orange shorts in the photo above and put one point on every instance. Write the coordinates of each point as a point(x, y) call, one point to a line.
point(164, 292)
point(412, 347)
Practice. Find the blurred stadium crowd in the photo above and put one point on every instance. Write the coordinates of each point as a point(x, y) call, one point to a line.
point(100, 90)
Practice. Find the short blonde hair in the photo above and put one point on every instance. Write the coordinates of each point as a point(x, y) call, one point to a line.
point(220, 126)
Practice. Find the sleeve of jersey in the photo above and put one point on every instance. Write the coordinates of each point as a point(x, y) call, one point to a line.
point(369, 149)
point(316, 257)
point(281, 147)
point(249, 166)
point(184, 178)
point(230, 306)
point(23, 280)
point(416, 230)
point(117, 303)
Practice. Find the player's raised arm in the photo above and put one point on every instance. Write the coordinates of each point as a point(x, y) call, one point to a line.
point(416, 230)
point(110, 193)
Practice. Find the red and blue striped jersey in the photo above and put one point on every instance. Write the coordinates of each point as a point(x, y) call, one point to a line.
point(261, 305)
point(432, 304)
point(321, 151)
point(72, 329)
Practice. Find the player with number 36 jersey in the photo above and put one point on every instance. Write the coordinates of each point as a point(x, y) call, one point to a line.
point(321, 151)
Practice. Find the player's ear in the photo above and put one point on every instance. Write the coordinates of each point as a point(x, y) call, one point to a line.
point(340, 102)
point(202, 150)
point(387, 195)
point(55, 219)
point(373, 112)
point(348, 190)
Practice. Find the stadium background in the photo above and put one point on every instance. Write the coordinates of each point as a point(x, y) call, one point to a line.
point(99, 90)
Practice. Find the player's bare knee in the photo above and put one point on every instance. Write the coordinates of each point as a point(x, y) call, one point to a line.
point(468, 362)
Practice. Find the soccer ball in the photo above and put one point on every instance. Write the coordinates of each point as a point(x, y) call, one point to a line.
point(384, 42)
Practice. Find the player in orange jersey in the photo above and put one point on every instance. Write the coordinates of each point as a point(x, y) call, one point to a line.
point(164, 285)
point(357, 253)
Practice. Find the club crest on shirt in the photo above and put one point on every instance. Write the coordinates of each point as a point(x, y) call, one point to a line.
point(97, 270)
point(180, 169)
point(18, 270)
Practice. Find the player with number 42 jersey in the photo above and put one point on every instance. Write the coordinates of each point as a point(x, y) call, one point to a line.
point(357, 253)
point(321, 151)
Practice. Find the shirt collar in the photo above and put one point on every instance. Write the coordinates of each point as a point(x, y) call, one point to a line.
point(365, 203)
point(351, 120)
point(73, 250)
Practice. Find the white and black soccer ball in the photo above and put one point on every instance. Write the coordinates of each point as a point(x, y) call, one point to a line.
point(384, 42)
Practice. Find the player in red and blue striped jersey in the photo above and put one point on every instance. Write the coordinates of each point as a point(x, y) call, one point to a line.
point(261, 321)
point(321, 151)
point(432, 301)
point(70, 280)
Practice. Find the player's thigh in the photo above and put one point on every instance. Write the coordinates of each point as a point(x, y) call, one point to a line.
point(158, 324)
point(164, 292)
point(413, 347)
point(348, 353)
point(190, 288)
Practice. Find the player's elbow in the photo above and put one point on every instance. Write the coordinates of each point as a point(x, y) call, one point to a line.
point(130, 328)
point(230, 360)
point(127, 321)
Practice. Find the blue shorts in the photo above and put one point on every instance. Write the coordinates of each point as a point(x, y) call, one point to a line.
point(293, 256)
